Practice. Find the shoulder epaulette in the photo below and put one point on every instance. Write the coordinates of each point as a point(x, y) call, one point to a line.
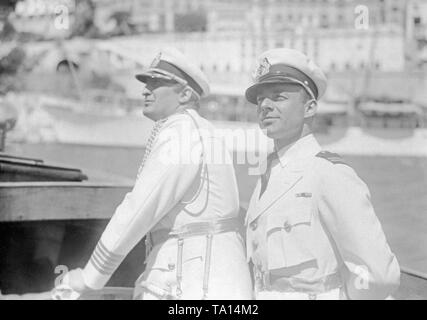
point(335, 158)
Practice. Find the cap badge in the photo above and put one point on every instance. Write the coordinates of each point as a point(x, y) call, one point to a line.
point(156, 60)
point(263, 68)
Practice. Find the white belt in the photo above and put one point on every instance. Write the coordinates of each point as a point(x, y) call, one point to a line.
point(205, 228)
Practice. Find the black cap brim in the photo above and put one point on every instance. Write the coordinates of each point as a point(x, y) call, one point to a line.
point(252, 92)
point(164, 67)
point(145, 76)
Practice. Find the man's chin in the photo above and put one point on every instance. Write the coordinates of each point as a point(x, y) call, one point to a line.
point(149, 115)
point(270, 134)
point(268, 131)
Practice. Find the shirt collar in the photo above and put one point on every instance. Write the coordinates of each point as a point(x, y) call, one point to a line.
point(304, 147)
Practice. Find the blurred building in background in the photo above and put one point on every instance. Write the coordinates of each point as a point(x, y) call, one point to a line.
point(367, 47)
point(340, 35)
point(416, 30)
point(253, 15)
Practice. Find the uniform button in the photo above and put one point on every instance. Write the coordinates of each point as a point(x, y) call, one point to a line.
point(287, 226)
point(171, 266)
point(254, 244)
point(254, 225)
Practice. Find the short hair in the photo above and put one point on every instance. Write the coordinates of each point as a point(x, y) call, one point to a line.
point(305, 96)
point(194, 98)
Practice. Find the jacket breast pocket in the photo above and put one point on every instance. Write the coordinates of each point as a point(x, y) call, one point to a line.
point(289, 233)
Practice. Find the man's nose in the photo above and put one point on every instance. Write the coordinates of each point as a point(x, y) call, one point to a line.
point(265, 105)
point(146, 92)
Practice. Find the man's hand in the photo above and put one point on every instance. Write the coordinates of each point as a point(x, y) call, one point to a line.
point(74, 279)
point(71, 286)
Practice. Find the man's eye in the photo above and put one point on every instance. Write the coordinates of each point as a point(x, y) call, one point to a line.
point(157, 83)
point(281, 98)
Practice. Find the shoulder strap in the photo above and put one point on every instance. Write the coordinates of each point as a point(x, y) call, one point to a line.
point(335, 158)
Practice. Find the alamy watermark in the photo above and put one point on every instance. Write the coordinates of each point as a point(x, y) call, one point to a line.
point(60, 10)
point(61, 270)
point(361, 282)
point(183, 144)
point(361, 21)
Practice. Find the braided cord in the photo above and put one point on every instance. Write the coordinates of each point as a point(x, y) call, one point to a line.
point(150, 143)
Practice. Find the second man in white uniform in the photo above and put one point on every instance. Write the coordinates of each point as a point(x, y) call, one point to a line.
point(312, 232)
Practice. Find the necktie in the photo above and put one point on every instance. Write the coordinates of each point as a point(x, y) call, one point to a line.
point(266, 176)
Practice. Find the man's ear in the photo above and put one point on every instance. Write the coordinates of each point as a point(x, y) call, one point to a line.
point(310, 108)
point(185, 95)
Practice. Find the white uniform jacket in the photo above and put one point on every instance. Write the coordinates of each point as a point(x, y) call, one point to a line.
point(314, 229)
point(175, 187)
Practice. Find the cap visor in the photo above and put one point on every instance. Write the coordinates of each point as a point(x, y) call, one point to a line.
point(252, 92)
point(145, 76)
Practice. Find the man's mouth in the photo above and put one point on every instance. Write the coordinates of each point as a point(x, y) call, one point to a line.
point(268, 121)
point(268, 118)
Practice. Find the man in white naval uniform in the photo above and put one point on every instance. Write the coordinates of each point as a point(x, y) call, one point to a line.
point(187, 205)
point(312, 232)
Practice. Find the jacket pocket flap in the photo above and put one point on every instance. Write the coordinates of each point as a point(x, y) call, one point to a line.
point(285, 250)
point(288, 237)
point(300, 213)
